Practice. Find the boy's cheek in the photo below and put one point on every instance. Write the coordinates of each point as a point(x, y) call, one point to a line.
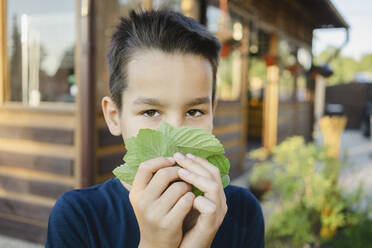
point(131, 126)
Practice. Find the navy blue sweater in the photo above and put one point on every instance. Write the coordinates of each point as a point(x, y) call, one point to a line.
point(102, 216)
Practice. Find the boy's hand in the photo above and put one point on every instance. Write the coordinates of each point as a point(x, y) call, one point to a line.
point(212, 206)
point(160, 210)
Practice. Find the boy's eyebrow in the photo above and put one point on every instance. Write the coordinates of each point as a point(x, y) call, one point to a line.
point(198, 101)
point(147, 101)
point(156, 102)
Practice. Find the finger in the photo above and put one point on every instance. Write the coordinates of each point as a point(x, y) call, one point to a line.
point(205, 206)
point(171, 195)
point(160, 181)
point(146, 169)
point(209, 186)
point(213, 170)
point(190, 165)
point(207, 218)
point(182, 207)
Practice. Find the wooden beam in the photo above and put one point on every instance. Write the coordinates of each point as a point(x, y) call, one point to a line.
point(29, 198)
point(28, 174)
point(39, 148)
point(22, 230)
point(3, 54)
point(296, 7)
point(38, 163)
point(270, 115)
point(104, 151)
point(24, 209)
point(37, 118)
point(86, 101)
point(244, 49)
point(147, 4)
point(252, 14)
point(48, 135)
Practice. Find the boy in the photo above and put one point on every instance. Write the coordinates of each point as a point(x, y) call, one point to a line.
point(162, 67)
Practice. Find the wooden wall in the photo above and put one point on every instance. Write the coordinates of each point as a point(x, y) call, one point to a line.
point(228, 128)
point(286, 18)
point(294, 119)
point(37, 164)
point(255, 123)
point(110, 151)
point(353, 97)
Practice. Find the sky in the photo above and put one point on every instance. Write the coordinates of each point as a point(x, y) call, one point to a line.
point(358, 14)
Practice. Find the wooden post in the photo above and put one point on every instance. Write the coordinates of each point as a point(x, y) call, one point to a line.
point(191, 8)
point(86, 100)
point(4, 80)
point(244, 49)
point(270, 111)
point(147, 4)
point(319, 98)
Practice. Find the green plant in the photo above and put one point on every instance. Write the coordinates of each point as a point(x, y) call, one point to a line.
point(311, 207)
point(165, 141)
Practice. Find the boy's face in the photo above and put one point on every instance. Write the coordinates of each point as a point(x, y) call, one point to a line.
point(176, 88)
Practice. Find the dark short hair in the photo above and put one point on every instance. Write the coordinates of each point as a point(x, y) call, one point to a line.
point(165, 30)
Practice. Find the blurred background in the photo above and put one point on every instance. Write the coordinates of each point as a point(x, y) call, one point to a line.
point(295, 91)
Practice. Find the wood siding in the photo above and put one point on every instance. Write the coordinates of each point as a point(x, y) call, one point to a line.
point(110, 151)
point(37, 165)
point(228, 128)
point(294, 119)
point(353, 98)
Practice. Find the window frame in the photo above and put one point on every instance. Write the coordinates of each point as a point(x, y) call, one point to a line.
point(5, 77)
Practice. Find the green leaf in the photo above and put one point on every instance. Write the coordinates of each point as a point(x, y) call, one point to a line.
point(130, 157)
point(197, 141)
point(196, 191)
point(151, 144)
point(165, 129)
point(225, 180)
point(221, 162)
point(164, 142)
point(125, 173)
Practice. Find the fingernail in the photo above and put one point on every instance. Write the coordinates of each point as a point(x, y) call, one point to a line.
point(189, 155)
point(179, 155)
point(184, 172)
point(171, 159)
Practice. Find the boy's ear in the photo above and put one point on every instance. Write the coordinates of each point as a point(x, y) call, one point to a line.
point(112, 116)
point(214, 105)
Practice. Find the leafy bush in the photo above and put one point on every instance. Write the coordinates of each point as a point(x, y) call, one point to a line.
point(311, 207)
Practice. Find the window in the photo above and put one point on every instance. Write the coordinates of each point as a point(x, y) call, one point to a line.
point(230, 33)
point(288, 70)
point(228, 76)
point(40, 38)
point(257, 78)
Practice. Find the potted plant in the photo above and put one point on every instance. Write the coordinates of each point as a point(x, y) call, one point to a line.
point(311, 210)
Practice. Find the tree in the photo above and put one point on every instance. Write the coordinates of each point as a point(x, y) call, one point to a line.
point(344, 68)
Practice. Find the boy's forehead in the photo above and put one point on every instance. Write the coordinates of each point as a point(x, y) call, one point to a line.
point(162, 63)
point(155, 74)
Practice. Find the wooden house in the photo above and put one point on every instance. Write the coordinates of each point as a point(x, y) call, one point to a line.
point(53, 137)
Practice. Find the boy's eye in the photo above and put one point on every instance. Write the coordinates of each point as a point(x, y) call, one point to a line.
point(150, 113)
point(194, 112)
